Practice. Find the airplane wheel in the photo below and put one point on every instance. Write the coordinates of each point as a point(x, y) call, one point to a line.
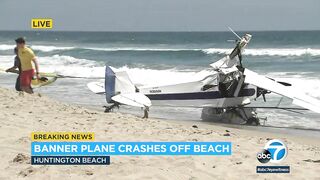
point(107, 109)
point(110, 108)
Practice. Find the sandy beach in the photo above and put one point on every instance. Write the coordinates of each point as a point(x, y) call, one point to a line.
point(22, 114)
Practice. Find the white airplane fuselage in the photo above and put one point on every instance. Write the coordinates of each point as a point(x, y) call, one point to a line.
point(203, 93)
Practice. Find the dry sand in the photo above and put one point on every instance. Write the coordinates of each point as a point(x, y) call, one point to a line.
point(23, 114)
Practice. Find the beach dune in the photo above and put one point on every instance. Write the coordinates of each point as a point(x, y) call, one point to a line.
point(22, 114)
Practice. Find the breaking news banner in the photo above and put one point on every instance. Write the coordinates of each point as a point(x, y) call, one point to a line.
point(70, 160)
point(130, 148)
point(62, 136)
point(45, 150)
point(66, 160)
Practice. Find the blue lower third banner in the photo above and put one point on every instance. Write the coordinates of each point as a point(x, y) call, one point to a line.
point(129, 148)
point(70, 160)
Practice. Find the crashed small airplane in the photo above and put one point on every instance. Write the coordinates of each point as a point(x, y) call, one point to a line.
point(224, 93)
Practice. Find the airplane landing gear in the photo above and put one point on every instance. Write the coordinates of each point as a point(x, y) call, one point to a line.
point(253, 121)
point(238, 115)
point(146, 112)
point(110, 108)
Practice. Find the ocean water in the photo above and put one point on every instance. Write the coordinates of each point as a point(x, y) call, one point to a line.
point(170, 57)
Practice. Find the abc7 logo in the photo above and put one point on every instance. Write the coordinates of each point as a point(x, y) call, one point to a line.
point(274, 151)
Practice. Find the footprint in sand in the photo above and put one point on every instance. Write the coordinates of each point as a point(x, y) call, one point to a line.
point(23, 140)
point(313, 161)
point(26, 172)
point(89, 172)
point(21, 158)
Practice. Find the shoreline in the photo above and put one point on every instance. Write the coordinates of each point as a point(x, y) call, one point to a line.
point(23, 114)
point(286, 131)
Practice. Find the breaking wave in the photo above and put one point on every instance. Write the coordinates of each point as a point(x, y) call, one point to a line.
point(208, 51)
point(251, 52)
point(70, 66)
point(142, 49)
point(50, 48)
point(268, 52)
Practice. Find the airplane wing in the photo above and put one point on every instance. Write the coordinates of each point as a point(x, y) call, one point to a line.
point(299, 98)
point(133, 99)
point(96, 87)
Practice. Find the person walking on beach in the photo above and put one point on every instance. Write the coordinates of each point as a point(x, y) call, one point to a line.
point(16, 65)
point(26, 56)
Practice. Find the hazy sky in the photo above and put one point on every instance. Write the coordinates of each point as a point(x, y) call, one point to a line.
point(163, 15)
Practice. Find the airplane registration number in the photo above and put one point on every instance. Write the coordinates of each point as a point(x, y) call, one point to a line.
point(155, 91)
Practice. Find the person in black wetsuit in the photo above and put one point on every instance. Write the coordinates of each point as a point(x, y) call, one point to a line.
point(16, 65)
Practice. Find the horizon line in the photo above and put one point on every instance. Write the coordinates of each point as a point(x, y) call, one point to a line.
point(46, 30)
